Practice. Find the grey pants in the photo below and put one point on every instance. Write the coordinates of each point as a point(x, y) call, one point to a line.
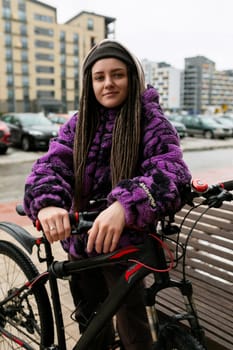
point(90, 288)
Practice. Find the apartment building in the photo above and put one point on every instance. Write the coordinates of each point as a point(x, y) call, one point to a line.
point(206, 88)
point(168, 82)
point(41, 59)
point(198, 73)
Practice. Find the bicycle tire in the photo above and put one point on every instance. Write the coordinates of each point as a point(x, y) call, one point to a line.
point(175, 337)
point(26, 316)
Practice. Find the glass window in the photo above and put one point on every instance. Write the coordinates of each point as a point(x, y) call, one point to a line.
point(6, 12)
point(42, 81)
point(76, 38)
point(24, 42)
point(24, 55)
point(43, 31)
point(25, 68)
point(44, 69)
point(9, 67)
point(25, 81)
point(90, 24)
point(7, 26)
point(43, 18)
point(45, 94)
point(44, 44)
point(8, 54)
point(23, 29)
point(44, 57)
point(8, 40)
point(10, 80)
point(62, 36)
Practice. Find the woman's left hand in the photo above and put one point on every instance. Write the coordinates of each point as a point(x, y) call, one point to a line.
point(107, 229)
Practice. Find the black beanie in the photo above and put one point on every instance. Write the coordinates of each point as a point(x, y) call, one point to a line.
point(107, 49)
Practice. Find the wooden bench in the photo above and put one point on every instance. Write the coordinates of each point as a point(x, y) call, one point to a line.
point(209, 265)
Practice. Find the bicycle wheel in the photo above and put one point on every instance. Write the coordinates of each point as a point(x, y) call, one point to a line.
point(27, 315)
point(175, 337)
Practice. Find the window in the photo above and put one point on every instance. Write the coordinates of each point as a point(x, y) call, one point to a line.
point(40, 81)
point(62, 47)
point(8, 54)
point(9, 67)
point(10, 80)
point(44, 69)
point(76, 38)
point(45, 94)
point(44, 57)
point(25, 68)
point(62, 36)
point(23, 29)
point(24, 55)
point(63, 59)
point(8, 40)
point(43, 31)
point(43, 18)
point(25, 81)
point(44, 44)
point(7, 27)
point(90, 24)
point(24, 42)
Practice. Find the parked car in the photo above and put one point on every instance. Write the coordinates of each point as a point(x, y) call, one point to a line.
point(205, 126)
point(4, 137)
point(179, 126)
point(30, 130)
point(225, 122)
point(59, 119)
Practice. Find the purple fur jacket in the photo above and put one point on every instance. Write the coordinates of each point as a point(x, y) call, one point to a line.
point(154, 192)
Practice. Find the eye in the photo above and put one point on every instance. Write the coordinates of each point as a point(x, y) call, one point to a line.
point(99, 78)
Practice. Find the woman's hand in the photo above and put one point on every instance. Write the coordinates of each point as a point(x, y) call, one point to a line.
point(55, 223)
point(107, 229)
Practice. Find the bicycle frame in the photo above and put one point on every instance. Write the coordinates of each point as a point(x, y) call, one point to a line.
point(142, 260)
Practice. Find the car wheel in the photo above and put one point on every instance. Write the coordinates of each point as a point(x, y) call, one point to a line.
point(209, 134)
point(25, 144)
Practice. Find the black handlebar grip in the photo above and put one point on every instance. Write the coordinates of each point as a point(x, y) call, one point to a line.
point(227, 185)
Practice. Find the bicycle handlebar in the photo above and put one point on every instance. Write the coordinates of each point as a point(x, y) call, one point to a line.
point(214, 196)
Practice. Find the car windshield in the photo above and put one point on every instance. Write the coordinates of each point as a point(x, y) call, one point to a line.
point(34, 119)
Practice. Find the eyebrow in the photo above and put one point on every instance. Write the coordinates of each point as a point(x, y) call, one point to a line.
point(112, 70)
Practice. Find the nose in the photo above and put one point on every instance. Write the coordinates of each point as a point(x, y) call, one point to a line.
point(108, 81)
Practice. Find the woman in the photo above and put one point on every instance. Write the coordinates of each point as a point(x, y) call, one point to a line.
point(121, 147)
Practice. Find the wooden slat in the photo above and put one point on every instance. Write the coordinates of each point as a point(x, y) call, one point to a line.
point(209, 266)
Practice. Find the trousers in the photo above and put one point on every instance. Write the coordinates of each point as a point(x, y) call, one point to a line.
point(90, 288)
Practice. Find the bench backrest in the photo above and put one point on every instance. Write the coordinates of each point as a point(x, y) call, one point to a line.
point(209, 265)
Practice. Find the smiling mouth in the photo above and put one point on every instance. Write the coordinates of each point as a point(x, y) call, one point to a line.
point(110, 94)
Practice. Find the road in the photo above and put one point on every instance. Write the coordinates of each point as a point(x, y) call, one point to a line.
point(211, 165)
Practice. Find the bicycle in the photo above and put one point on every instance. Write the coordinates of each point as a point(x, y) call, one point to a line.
point(27, 312)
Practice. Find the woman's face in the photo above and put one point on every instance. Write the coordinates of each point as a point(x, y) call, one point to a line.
point(110, 82)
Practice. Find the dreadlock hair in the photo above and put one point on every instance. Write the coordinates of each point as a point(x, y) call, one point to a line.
point(126, 132)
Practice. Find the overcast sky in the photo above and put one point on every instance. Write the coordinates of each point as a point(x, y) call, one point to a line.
point(165, 30)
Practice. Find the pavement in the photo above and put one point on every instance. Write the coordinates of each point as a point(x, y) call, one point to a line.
point(8, 213)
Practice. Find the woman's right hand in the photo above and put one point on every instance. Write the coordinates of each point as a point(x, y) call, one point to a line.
point(55, 223)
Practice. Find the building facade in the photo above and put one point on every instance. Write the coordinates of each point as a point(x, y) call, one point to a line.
point(41, 59)
point(168, 82)
point(205, 88)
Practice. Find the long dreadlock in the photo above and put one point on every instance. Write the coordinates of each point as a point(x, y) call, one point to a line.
point(125, 138)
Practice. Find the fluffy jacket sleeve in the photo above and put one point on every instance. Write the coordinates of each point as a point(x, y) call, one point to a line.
point(162, 176)
point(51, 181)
